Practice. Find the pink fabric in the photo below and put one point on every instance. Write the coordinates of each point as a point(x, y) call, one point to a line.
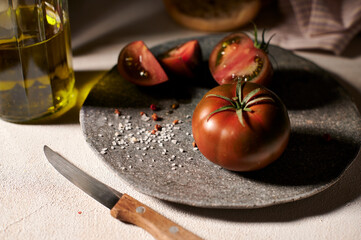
point(319, 24)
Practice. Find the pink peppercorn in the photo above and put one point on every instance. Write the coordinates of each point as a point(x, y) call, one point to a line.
point(153, 107)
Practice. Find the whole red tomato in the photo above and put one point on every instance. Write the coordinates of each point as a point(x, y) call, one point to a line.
point(237, 57)
point(241, 127)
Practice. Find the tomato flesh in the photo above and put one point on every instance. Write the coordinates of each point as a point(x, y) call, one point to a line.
point(139, 66)
point(222, 139)
point(182, 60)
point(236, 58)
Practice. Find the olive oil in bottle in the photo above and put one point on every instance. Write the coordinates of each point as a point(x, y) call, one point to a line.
point(36, 73)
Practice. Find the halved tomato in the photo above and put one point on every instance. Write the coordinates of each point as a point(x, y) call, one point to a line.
point(183, 60)
point(138, 65)
point(237, 57)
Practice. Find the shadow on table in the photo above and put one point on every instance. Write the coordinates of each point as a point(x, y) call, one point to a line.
point(84, 82)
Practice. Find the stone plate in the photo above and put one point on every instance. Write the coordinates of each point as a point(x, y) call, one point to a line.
point(325, 136)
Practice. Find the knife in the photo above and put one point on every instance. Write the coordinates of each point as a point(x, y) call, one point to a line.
point(122, 206)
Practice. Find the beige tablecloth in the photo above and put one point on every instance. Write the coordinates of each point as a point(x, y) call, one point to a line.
point(36, 202)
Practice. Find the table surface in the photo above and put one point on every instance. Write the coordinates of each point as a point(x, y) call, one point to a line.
point(36, 202)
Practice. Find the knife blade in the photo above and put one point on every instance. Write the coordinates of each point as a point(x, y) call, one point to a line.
point(122, 206)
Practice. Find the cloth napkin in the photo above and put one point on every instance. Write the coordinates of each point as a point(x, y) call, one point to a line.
point(319, 24)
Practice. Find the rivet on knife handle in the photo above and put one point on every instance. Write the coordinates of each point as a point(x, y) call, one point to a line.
point(130, 210)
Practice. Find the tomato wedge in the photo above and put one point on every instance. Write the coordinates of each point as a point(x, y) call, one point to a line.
point(183, 60)
point(138, 65)
point(237, 57)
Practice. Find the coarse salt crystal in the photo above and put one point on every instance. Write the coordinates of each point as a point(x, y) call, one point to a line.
point(144, 117)
point(134, 140)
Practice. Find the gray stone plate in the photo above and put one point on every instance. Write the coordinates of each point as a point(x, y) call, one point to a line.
point(325, 136)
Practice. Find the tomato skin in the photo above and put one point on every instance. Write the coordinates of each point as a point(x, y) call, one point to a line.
point(223, 140)
point(235, 56)
point(138, 65)
point(183, 60)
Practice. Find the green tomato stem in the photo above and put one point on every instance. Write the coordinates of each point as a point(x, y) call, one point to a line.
point(238, 104)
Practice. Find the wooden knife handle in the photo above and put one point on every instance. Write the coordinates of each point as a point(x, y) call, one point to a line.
point(132, 211)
